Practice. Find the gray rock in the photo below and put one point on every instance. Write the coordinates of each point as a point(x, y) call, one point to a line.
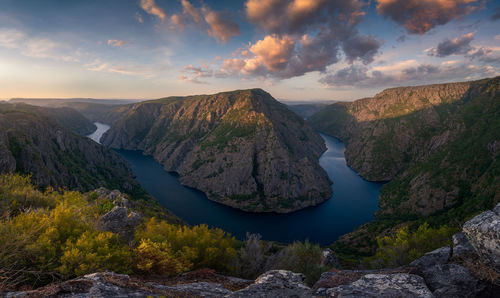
point(329, 259)
point(119, 222)
point(197, 289)
point(438, 256)
point(383, 285)
point(276, 284)
point(483, 231)
point(91, 285)
point(461, 246)
point(452, 280)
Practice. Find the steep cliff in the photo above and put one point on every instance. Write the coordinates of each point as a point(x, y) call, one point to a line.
point(438, 146)
point(242, 148)
point(31, 142)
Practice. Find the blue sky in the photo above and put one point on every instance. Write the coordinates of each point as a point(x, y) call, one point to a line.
point(295, 49)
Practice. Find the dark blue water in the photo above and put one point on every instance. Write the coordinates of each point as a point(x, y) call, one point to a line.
point(353, 202)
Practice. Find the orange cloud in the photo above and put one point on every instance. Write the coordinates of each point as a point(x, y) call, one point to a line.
point(115, 42)
point(152, 8)
point(420, 16)
point(274, 51)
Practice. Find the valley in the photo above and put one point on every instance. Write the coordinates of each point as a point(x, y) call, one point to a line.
point(353, 202)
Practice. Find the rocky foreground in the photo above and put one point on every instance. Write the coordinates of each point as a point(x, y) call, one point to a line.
point(242, 148)
point(470, 268)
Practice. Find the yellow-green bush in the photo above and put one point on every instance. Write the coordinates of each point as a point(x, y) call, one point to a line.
point(95, 251)
point(203, 247)
point(405, 245)
point(159, 258)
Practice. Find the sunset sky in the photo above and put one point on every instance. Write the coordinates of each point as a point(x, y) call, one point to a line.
point(294, 49)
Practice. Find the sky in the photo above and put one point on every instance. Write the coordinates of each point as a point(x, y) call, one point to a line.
point(294, 49)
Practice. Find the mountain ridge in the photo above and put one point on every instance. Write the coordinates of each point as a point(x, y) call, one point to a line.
point(266, 156)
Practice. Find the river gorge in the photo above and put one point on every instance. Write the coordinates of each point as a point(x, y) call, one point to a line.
point(352, 204)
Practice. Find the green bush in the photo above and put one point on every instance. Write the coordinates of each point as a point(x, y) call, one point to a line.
point(405, 246)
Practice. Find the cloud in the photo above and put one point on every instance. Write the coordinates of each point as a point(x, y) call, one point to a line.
point(301, 36)
point(420, 16)
point(220, 25)
point(11, 38)
point(363, 47)
point(130, 70)
point(416, 74)
point(459, 45)
point(139, 18)
point(217, 24)
point(496, 16)
point(37, 47)
point(115, 42)
point(152, 8)
point(194, 73)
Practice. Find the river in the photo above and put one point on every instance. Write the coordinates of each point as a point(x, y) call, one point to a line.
point(353, 202)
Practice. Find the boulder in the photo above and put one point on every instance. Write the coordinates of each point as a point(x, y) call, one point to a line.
point(276, 284)
point(461, 246)
point(383, 285)
point(483, 231)
point(452, 280)
point(118, 221)
point(438, 256)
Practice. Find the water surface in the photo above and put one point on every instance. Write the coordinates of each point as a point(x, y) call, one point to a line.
point(101, 129)
point(353, 202)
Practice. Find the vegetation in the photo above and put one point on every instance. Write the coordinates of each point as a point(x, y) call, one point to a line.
point(51, 235)
point(405, 245)
point(257, 256)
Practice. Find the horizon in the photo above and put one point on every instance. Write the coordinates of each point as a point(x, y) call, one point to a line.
point(295, 50)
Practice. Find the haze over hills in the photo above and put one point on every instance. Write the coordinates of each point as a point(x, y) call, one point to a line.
point(34, 141)
point(438, 146)
point(265, 156)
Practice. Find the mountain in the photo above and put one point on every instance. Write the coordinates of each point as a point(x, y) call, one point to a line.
point(306, 110)
point(438, 145)
point(33, 141)
point(66, 117)
point(242, 148)
point(96, 110)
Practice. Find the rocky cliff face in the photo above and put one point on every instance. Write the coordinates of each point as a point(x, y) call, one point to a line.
point(31, 143)
point(438, 144)
point(242, 148)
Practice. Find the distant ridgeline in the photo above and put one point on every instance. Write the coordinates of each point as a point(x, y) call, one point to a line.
point(44, 143)
point(242, 148)
point(437, 145)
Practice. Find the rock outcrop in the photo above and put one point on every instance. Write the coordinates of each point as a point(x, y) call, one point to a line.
point(31, 143)
point(383, 285)
point(242, 148)
point(118, 221)
point(483, 232)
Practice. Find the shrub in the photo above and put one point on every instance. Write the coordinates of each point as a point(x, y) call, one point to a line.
point(302, 257)
point(405, 246)
point(95, 251)
point(159, 258)
point(203, 247)
point(252, 258)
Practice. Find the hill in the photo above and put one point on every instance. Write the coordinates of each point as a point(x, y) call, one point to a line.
point(33, 141)
point(242, 148)
point(437, 146)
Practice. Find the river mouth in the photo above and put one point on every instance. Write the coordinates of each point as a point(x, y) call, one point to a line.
point(352, 204)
